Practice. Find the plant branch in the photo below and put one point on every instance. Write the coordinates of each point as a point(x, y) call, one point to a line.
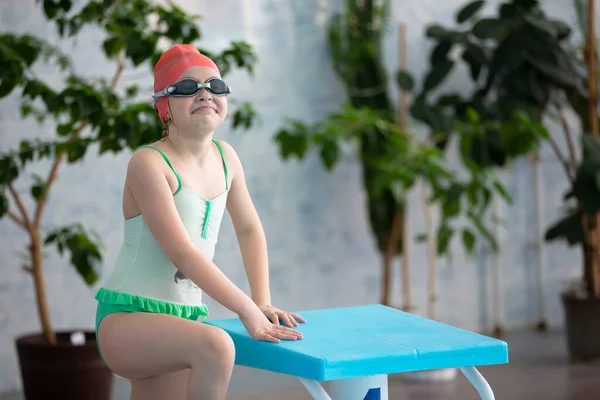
point(592, 69)
point(118, 72)
point(49, 181)
point(16, 219)
point(60, 156)
point(568, 134)
point(26, 221)
point(562, 159)
point(431, 253)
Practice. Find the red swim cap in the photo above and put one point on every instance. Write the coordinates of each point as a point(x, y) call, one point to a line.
point(171, 65)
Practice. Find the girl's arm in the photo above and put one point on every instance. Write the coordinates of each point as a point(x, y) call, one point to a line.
point(253, 245)
point(249, 230)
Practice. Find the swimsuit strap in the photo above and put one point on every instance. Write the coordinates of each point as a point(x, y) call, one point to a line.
point(224, 164)
point(164, 156)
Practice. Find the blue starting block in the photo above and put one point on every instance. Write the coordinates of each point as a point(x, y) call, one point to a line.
point(355, 348)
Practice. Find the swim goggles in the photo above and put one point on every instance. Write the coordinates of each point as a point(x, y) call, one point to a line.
point(190, 87)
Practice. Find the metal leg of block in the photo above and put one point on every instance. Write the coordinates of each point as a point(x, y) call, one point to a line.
point(315, 389)
point(479, 382)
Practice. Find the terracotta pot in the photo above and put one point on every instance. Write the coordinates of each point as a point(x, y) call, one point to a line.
point(582, 324)
point(65, 371)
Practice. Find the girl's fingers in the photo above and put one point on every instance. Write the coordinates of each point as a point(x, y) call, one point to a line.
point(289, 331)
point(270, 338)
point(298, 318)
point(286, 336)
point(274, 318)
point(287, 320)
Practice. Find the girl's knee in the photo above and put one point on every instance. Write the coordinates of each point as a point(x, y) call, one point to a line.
point(218, 347)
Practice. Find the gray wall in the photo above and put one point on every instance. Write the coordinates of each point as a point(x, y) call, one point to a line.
point(321, 251)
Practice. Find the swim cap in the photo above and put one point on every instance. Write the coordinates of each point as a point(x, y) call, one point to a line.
point(171, 65)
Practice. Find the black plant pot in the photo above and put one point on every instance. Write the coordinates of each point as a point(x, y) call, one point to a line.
point(64, 371)
point(582, 322)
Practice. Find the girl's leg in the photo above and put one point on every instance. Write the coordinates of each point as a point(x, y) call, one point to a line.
point(173, 386)
point(140, 345)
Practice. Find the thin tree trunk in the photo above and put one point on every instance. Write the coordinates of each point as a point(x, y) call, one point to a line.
point(405, 264)
point(388, 256)
point(431, 255)
point(40, 288)
point(593, 273)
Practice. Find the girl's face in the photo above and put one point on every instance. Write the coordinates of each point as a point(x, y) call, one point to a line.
point(201, 113)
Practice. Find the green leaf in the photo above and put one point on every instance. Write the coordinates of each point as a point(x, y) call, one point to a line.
point(38, 188)
point(468, 240)
point(138, 49)
point(526, 5)
point(491, 28)
point(440, 51)
point(244, 116)
point(76, 150)
point(418, 109)
point(112, 46)
point(501, 190)
point(476, 221)
point(291, 144)
point(561, 76)
point(84, 251)
point(26, 152)
point(239, 54)
point(451, 201)
point(569, 228)
point(421, 238)
point(405, 81)
point(468, 11)
point(475, 56)
point(438, 32)
point(437, 74)
point(51, 8)
point(9, 171)
point(507, 11)
point(4, 205)
point(449, 100)
point(445, 234)
point(563, 31)
point(329, 154)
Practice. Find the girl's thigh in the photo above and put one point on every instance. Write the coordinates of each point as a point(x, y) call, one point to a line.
point(141, 345)
point(171, 386)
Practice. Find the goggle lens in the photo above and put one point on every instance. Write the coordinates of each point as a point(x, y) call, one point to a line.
point(191, 87)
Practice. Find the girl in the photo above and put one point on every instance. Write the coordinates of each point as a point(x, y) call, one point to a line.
point(175, 194)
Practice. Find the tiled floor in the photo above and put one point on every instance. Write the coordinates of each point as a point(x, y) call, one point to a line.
point(539, 369)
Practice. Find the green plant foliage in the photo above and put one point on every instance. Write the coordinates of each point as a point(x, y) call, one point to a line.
point(519, 61)
point(584, 196)
point(393, 161)
point(523, 66)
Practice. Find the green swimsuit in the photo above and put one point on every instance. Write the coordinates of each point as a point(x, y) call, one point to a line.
point(144, 279)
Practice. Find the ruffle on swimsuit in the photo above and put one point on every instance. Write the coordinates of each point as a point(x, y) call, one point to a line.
point(151, 305)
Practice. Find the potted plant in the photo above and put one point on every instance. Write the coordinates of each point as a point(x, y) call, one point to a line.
point(85, 111)
point(580, 226)
point(524, 68)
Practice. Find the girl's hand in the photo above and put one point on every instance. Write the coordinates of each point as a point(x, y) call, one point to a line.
point(260, 328)
point(276, 316)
